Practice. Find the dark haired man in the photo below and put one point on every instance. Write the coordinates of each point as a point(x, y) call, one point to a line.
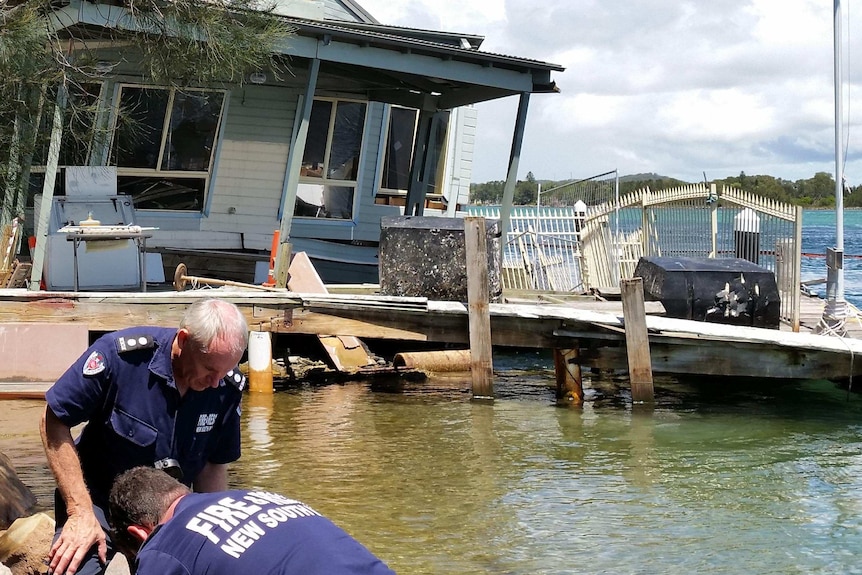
point(167, 530)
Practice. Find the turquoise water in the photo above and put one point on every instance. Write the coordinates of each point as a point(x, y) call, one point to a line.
point(818, 233)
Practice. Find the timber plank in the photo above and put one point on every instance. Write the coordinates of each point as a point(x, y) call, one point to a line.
point(676, 346)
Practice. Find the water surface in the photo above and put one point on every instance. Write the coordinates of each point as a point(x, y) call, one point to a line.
point(721, 476)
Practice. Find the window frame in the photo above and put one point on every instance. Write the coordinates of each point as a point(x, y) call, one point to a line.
point(381, 189)
point(323, 181)
point(204, 176)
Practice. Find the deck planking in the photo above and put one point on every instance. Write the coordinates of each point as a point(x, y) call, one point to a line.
point(595, 328)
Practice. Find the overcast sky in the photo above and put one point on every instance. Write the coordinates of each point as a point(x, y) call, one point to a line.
point(674, 87)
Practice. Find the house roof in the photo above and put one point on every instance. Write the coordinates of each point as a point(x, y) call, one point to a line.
point(423, 69)
point(359, 11)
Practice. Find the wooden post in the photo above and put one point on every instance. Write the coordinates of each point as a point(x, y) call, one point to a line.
point(637, 340)
point(48, 191)
point(570, 388)
point(475, 243)
point(282, 264)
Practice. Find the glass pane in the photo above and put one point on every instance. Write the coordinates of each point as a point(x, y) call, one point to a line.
point(338, 202)
point(399, 149)
point(140, 123)
point(78, 125)
point(439, 128)
point(80, 121)
point(346, 141)
point(148, 193)
point(319, 201)
point(192, 131)
point(309, 201)
point(315, 143)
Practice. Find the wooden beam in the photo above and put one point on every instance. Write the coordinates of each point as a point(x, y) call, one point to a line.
point(637, 340)
point(514, 160)
point(476, 246)
point(294, 159)
point(48, 191)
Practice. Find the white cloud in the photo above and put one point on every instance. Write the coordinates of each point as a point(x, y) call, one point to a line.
point(659, 85)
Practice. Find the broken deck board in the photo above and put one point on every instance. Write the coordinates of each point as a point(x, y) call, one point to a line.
point(676, 346)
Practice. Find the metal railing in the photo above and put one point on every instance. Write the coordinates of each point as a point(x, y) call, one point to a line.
point(580, 247)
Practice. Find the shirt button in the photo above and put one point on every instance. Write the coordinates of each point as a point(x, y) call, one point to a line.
point(131, 432)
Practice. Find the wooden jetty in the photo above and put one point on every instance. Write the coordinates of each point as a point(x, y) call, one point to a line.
point(593, 332)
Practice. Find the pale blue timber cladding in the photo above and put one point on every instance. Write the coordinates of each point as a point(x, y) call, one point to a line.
point(343, 10)
point(252, 162)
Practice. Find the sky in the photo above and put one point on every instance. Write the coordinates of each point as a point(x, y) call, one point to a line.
point(674, 87)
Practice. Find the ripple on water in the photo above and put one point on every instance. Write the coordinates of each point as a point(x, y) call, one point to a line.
point(719, 479)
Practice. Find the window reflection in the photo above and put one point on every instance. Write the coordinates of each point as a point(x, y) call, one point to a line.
point(192, 132)
point(140, 122)
point(163, 145)
point(399, 149)
point(330, 161)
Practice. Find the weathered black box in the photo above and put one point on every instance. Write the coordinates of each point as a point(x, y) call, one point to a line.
point(426, 257)
point(722, 290)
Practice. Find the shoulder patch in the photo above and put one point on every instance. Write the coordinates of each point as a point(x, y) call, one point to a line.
point(134, 342)
point(235, 378)
point(94, 364)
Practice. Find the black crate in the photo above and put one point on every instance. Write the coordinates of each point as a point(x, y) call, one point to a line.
point(723, 290)
point(426, 257)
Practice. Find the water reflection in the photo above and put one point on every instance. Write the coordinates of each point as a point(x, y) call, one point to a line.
point(714, 478)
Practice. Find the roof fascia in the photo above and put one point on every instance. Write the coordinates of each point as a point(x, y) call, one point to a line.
point(410, 63)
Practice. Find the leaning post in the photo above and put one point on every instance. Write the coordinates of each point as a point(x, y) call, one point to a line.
point(479, 317)
point(570, 389)
point(637, 340)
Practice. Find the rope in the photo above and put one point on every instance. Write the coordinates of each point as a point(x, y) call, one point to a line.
point(839, 329)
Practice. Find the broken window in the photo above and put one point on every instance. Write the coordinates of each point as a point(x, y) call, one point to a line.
point(163, 145)
point(399, 150)
point(330, 161)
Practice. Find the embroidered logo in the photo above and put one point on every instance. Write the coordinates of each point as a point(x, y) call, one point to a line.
point(94, 364)
point(206, 422)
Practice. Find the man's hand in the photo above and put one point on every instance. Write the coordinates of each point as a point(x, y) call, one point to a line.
point(80, 533)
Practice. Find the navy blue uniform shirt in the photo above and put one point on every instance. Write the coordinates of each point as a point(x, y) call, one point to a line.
point(252, 532)
point(123, 386)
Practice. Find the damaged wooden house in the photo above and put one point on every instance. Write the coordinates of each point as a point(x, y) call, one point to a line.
point(364, 121)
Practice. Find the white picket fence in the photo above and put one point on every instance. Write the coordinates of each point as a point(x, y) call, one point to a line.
point(561, 249)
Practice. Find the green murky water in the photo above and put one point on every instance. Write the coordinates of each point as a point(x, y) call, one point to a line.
point(716, 478)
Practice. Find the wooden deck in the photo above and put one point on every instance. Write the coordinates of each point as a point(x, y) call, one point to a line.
point(594, 328)
point(812, 310)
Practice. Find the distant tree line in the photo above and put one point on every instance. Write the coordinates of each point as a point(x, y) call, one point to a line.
point(815, 192)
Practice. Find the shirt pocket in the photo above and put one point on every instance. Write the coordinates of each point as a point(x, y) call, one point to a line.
point(133, 429)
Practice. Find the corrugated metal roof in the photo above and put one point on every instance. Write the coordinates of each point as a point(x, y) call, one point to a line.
point(412, 39)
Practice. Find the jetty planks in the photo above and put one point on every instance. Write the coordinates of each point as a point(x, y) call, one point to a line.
point(675, 345)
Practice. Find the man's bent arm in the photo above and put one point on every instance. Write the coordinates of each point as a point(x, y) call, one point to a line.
point(213, 477)
point(81, 530)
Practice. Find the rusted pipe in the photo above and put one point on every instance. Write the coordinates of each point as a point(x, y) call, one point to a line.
point(434, 361)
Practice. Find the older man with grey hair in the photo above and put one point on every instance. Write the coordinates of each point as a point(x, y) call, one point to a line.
point(163, 397)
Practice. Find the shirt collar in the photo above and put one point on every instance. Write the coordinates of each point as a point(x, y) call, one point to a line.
point(161, 364)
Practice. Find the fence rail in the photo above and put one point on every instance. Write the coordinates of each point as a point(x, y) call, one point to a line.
point(562, 248)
